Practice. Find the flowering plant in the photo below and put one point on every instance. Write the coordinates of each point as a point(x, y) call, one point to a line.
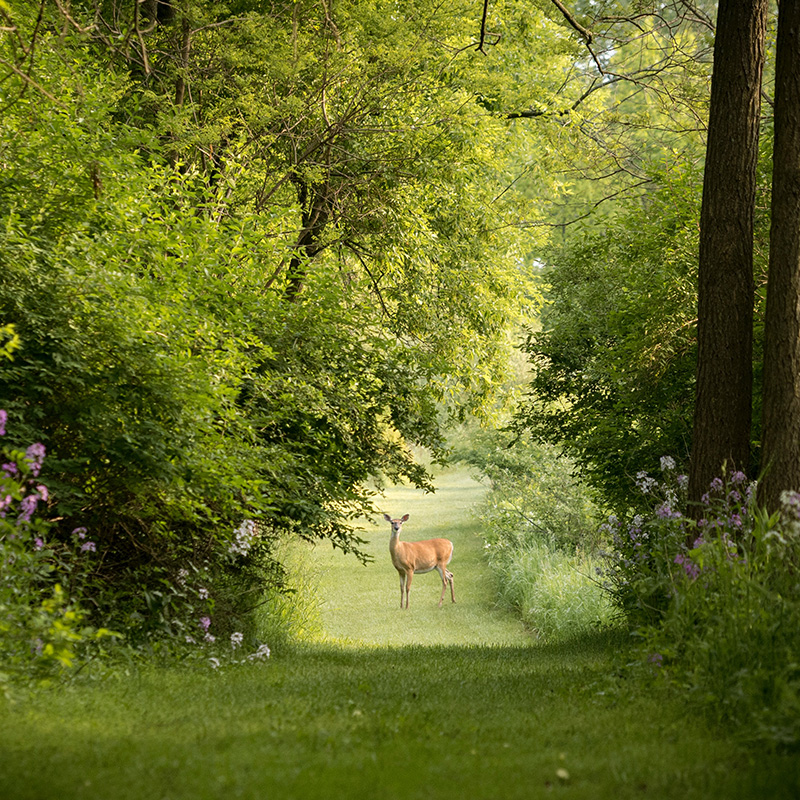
point(42, 630)
point(651, 558)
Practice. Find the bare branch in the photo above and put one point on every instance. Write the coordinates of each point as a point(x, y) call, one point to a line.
point(587, 34)
point(484, 32)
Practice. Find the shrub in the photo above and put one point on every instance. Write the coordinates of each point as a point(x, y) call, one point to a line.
point(43, 634)
point(534, 494)
point(540, 527)
point(717, 603)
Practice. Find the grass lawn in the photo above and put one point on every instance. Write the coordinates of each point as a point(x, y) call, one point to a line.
point(455, 702)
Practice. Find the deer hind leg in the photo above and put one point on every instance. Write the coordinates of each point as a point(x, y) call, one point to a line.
point(449, 576)
point(446, 576)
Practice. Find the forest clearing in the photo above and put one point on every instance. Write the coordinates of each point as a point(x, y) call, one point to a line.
point(273, 271)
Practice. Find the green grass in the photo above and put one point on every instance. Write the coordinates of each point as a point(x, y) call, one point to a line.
point(361, 604)
point(428, 703)
point(555, 594)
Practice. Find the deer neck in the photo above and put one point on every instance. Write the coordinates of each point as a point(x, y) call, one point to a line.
point(394, 543)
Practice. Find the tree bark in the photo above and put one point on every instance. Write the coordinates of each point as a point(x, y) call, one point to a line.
point(781, 395)
point(723, 395)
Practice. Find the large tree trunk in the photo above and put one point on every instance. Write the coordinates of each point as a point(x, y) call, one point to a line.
point(781, 432)
point(723, 398)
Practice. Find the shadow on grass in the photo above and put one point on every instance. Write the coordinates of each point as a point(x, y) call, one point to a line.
point(321, 721)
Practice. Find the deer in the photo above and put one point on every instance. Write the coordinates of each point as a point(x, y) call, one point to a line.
point(420, 557)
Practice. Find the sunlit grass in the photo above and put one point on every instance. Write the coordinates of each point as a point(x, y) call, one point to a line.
point(361, 604)
point(378, 722)
point(555, 594)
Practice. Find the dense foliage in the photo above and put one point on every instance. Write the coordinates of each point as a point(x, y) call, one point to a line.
point(614, 360)
point(251, 252)
point(540, 529)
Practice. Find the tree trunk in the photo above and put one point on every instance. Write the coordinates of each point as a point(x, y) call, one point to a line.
point(723, 395)
point(781, 420)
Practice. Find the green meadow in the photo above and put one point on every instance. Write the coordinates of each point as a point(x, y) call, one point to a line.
point(457, 702)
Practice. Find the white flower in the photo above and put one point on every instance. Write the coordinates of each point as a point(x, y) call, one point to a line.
point(236, 639)
point(214, 662)
point(243, 538)
point(262, 652)
point(667, 463)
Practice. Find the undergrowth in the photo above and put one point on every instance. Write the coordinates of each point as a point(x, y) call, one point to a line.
point(715, 602)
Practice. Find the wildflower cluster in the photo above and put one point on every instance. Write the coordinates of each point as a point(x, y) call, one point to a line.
point(42, 629)
point(243, 538)
point(650, 556)
point(720, 603)
point(202, 634)
point(230, 656)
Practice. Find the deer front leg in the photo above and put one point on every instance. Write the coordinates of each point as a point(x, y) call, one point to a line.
point(409, 576)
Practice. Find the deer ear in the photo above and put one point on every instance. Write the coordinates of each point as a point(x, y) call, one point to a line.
point(404, 518)
point(387, 517)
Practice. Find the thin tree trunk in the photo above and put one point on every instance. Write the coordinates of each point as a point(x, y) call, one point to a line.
point(781, 420)
point(186, 40)
point(723, 397)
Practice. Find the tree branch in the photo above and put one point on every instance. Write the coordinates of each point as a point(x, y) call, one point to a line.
point(484, 33)
point(587, 34)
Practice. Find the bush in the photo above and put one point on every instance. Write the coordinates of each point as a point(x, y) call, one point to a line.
point(43, 633)
point(540, 528)
point(534, 497)
point(717, 603)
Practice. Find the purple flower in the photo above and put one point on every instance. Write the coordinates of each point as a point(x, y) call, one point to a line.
point(10, 470)
point(205, 623)
point(38, 543)
point(664, 511)
point(656, 658)
point(88, 546)
point(80, 533)
point(26, 507)
point(3, 420)
point(689, 567)
point(738, 477)
point(34, 455)
point(716, 485)
point(43, 493)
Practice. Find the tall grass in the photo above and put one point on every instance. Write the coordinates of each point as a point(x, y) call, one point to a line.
point(540, 527)
point(553, 592)
point(294, 614)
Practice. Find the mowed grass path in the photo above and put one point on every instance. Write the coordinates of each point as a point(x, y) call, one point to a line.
point(430, 703)
point(361, 604)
